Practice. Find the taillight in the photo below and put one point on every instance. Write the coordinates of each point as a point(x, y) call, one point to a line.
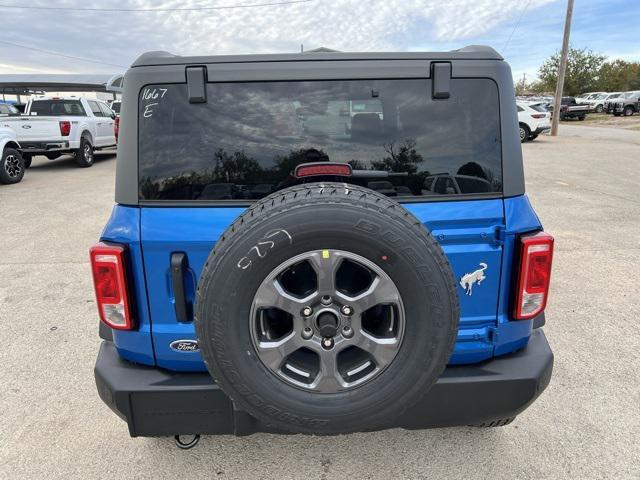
point(536, 254)
point(328, 168)
point(110, 283)
point(65, 128)
point(538, 115)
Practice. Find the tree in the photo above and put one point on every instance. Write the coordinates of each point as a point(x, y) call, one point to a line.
point(402, 157)
point(583, 69)
point(235, 167)
point(287, 164)
point(522, 87)
point(357, 164)
point(619, 76)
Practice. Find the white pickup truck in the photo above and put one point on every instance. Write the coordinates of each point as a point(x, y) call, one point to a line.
point(53, 126)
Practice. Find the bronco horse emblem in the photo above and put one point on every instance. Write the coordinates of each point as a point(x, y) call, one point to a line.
point(469, 279)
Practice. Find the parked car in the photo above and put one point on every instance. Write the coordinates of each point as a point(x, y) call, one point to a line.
point(628, 104)
point(53, 126)
point(18, 106)
point(584, 97)
point(610, 101)
point(570, 108)
point(115, 106)
point(8, 110)
point(533, 119)
point(596, 104)
point(322, 307)
point(403, 191)
point(448, 184)
point(116, 127)
point(219, 191)
point(11, 162)
point(384, 187)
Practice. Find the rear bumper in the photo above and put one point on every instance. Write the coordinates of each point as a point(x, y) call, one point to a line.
point(44, 147)
point(541, 129)
point(156, 402)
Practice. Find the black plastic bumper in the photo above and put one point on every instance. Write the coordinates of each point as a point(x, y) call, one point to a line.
point(156, 402)
point(540, 130)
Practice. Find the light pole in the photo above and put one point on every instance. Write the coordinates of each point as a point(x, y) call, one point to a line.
point(561, 71)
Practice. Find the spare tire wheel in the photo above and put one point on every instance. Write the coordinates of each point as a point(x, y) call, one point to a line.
point(326, 309)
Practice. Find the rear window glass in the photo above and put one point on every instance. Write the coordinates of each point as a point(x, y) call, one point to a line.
point(246, 140)
point(106, 111)
point(539, 108)
point(57, 107)
point(95, 108)
point(6, 109)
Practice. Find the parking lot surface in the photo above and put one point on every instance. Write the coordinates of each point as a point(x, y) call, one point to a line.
point(583, 184)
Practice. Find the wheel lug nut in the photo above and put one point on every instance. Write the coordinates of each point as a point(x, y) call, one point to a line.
point(327, 343)
point(347, 332)
point(307, 311)
point(347, 310)
point(326, 300)
point(307, 333)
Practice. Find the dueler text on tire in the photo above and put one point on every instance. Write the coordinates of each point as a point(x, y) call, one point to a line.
point(325, 309)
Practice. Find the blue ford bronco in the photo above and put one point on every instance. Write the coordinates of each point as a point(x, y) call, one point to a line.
point(320, 243)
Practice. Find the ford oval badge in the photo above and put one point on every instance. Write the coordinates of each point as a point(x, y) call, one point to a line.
point(185, 346)
point(26, 126)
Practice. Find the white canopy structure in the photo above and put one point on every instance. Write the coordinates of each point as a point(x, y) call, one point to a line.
point(29, 84)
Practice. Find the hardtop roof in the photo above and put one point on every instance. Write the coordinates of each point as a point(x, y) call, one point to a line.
point(472, 52)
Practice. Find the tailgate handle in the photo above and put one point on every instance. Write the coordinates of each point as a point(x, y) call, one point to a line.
point(441, 79)
point(179, 266)
point(197, 84)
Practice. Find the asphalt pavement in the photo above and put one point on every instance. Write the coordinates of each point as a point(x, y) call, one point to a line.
point(585, 187)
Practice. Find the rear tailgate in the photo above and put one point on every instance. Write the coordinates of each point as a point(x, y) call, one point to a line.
point(35, 128)
point(468, 231)
point(201, 163)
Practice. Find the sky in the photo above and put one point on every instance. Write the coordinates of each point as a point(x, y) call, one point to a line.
point(525, 32)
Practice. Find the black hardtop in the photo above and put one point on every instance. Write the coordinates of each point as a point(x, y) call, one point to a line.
point(472, 52)
point(471, 62)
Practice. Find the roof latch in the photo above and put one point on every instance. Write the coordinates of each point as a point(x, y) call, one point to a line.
point(197, 84)
point(440, 79)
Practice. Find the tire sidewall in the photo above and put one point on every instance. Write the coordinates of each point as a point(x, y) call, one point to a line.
point(223, 312)
point(4, 176)
point(80, 157)
point(524, 133)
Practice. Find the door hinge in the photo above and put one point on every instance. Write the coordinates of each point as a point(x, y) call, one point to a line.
point(440, 80)
point(197, 84)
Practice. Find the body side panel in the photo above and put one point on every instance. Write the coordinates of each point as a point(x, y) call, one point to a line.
point(124, 227)
point(519, 218)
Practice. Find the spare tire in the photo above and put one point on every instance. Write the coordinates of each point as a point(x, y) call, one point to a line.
point(326, 309)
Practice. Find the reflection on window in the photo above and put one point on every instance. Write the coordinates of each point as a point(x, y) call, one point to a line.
point(246, 141)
